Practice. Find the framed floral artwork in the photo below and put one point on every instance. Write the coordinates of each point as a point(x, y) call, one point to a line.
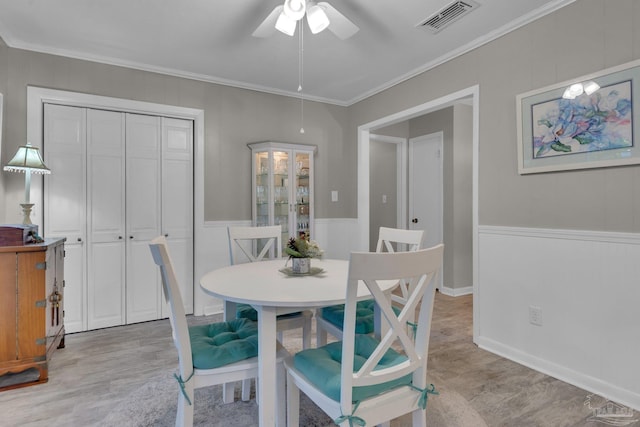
point(588, 122)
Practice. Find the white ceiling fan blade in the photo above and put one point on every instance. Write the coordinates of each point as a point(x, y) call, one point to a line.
point(339, 24)
point(268, 26)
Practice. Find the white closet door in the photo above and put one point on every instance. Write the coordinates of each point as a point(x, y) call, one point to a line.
point(64, 202)
point(177, 202)
point(119, 180)
point(143, 181)
point(106, 218)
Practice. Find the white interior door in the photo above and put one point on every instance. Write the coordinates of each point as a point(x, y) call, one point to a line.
point(106, 218)
point(64, 146)
point(143, 181)
point(426, 188)
point(177, 204)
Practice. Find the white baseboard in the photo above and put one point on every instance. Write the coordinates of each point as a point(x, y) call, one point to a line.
point(590, 384)
point(456, 292)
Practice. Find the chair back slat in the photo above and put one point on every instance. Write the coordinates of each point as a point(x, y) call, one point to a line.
point(419, 268)
point(396, 331)
point(387, 237)
point(409, 240)
point(244, 241)
point(171, 291)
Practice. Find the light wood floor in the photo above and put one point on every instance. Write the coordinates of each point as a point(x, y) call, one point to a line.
point(98, 369)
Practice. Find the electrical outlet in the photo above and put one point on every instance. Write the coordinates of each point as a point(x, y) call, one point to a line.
point(535, 315)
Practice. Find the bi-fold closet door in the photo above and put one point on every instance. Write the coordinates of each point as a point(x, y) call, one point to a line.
point(120, 179)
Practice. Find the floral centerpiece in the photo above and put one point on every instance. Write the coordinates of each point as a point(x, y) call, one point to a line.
point(300, 250)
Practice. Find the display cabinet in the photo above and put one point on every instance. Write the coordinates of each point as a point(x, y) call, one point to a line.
point(282, 187)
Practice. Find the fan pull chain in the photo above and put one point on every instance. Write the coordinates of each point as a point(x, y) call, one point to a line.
point(301, 73)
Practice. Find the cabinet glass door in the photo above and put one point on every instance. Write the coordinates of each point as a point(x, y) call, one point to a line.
point(262, 189)
point(302, 173)
point(281, 192)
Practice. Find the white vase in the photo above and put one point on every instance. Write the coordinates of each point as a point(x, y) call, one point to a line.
point(301, 265)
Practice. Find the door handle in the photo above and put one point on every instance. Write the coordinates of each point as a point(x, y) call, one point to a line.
point(414, 220)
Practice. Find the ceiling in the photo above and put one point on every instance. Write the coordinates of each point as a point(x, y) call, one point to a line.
point(211, 40)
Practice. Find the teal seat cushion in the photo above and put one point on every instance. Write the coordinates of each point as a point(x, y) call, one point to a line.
point(322, 367)
point(245, 311)
point(222, 343)
point(364, 316)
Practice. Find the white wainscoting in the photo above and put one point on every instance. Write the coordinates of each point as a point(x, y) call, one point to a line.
point(587, 285)
point(336, 236)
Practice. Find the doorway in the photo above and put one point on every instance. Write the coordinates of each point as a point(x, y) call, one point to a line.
point(388, 185)
point(469, 95)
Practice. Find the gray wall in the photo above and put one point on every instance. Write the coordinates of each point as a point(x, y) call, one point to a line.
point(382, 181)
point(233, 117)
point(581, 38)
point(400, 130)
point(584, 37)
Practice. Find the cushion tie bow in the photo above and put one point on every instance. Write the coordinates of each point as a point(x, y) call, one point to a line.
point(414, 328)
point(424, 394)
point(182, 382)
point(353, 420)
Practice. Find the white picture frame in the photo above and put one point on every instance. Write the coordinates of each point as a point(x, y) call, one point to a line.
point(592, 130)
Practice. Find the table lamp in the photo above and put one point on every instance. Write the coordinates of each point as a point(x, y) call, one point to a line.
point(27, 160)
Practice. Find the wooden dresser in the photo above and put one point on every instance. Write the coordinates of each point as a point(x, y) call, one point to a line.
point(32, 316)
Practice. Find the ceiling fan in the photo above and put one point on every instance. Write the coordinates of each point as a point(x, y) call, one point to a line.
point(320, 16)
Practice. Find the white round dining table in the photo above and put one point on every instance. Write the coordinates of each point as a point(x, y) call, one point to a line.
point(272, 292)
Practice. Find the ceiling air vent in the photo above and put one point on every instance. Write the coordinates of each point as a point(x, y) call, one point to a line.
point(447, 15)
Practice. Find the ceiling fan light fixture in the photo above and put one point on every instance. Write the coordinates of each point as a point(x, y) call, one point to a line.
point(295, 9)
point(591, 87)
point(286, 25)
point(573, 91)
point(316, 18)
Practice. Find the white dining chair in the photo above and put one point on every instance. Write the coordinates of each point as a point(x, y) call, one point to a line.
point(329, 319)
point(362, 380)
point(254, 244)
point(210, 354)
